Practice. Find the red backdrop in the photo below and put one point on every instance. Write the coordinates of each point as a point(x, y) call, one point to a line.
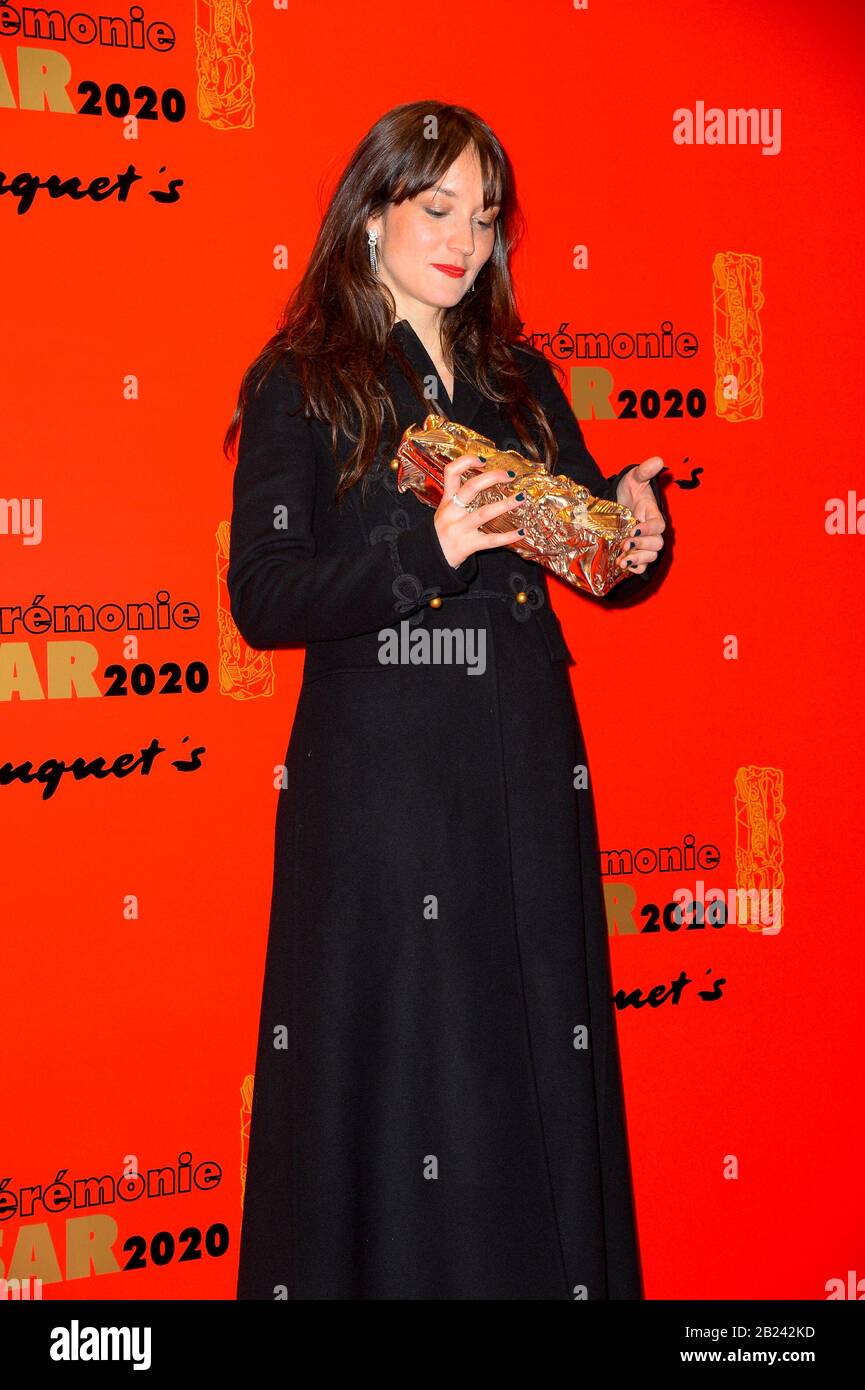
point(135, 907)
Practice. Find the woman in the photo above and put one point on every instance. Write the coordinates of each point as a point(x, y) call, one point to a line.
point(437, 1106)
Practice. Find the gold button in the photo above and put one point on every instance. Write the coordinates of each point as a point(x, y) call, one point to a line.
point(522, 596)
point(435, 602)
point(394, 463)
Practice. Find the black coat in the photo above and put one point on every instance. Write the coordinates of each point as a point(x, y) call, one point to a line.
point(425, 1123)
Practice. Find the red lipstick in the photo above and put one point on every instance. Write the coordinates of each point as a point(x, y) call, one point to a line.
point(456, 271)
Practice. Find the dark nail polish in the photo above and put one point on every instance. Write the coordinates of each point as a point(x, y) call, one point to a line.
point(512, 473)
point(631, 544)
point(521, 532)
point(638, 532)
point(520, 496)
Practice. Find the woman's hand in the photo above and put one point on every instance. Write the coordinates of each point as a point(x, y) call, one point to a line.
point(458, 529)
point(635, 492)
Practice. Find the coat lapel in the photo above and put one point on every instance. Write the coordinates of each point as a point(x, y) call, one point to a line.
point(467, 400)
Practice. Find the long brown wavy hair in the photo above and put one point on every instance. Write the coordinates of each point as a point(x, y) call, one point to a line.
point(337, 322)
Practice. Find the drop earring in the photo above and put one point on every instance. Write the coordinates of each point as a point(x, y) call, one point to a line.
point(372, 238)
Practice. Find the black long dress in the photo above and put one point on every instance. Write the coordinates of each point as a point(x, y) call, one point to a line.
point(425, 1123)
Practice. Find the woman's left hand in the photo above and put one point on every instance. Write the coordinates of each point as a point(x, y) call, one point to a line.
point(635, 493)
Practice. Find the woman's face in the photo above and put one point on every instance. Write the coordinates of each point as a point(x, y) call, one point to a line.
point(444, 226)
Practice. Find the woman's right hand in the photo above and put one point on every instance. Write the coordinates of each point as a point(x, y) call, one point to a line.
point(457, 528)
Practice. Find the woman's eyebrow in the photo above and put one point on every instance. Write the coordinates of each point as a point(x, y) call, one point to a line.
point(449, 193)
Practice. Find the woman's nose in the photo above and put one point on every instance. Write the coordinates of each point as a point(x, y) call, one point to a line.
point(463, 241)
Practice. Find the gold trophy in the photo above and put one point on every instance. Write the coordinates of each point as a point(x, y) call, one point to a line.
point(575, 535)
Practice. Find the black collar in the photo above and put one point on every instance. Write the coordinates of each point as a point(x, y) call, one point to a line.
point(467, 399)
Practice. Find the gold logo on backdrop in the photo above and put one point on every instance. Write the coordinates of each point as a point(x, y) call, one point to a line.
point(223, 60)
point(737, 301)
point(760, 848)
point(245, 1115)
point(244, 672)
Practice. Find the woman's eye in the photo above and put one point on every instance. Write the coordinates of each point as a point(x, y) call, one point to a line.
point(433, 212)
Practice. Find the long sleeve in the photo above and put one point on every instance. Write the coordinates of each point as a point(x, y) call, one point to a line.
point(575, 461)
point(281, 591)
